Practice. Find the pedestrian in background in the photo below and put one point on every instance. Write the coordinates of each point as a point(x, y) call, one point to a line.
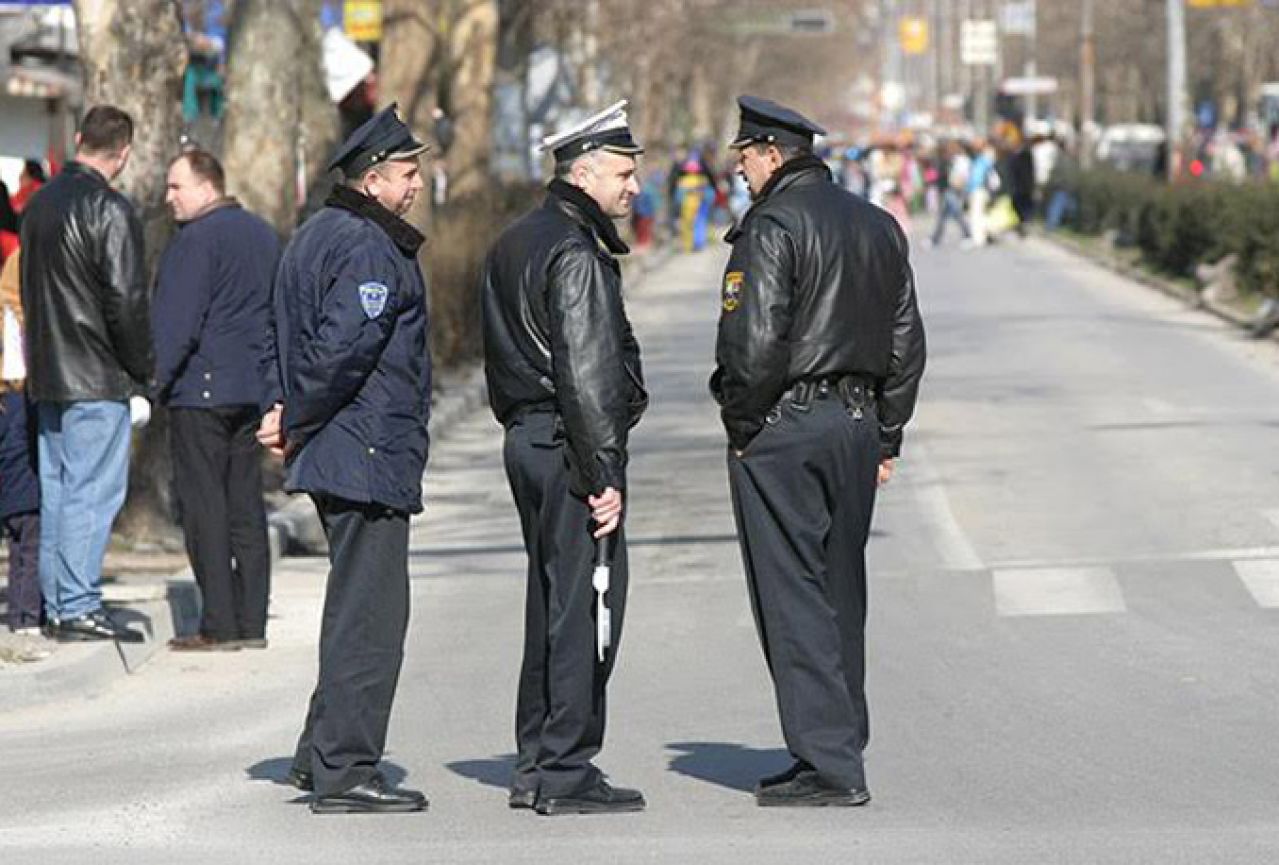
point(19, 480)
point(210, 316)
point(30, 180)
point(818, 360)
point(952, 175)
point(88, 344)
point(349, 379)
point(564, 379)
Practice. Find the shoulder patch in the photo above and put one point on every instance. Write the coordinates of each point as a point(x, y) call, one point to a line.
point(373, 298)
point(733, 290)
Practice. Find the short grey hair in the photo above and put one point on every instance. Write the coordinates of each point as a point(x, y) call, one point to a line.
point(565, 168)
point(788, 151)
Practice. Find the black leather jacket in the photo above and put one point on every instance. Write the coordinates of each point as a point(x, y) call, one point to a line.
point(819, 285)
point(84, 291)
point(556, 336)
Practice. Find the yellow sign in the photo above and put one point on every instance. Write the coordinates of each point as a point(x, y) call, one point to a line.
point(913, 33)
point(362, 20)
point(1219, 4)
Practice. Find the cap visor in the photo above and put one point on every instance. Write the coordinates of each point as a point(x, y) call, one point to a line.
point(623, 149)
point(417, 148)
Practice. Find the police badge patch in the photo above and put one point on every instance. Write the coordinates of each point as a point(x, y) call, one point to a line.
point(733, 289)
point(373, 298)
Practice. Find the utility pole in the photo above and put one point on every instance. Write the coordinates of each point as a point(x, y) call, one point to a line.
point(1032, 62)
point(1087, 84)
point(1176, 113)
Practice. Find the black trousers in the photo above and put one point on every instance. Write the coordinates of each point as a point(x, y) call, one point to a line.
point(366, 615)
point(218, 485)
point(803, 493)
point(23, 531)
point(560, 709)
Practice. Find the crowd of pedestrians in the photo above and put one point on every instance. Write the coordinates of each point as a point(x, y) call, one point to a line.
point(88, 344)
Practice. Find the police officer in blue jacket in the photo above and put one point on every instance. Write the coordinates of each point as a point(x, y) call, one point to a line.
point(348, 364)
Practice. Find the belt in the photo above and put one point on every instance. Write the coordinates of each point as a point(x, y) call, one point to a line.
point(853, 390)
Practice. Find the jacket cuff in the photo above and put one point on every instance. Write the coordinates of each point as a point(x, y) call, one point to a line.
point(890, 444)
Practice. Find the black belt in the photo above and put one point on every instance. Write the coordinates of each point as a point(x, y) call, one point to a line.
point(854, 390)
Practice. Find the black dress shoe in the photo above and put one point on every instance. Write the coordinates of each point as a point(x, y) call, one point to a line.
point(600, 799)
point(301, 779)
point(92, 626)
point(372, 797)
point(797, 768)
point(808, 790)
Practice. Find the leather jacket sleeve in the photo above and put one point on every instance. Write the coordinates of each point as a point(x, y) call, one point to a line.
point(754, 324)
point(588, 334)
point(125, 299)
point(901, 386)
point(328, 370)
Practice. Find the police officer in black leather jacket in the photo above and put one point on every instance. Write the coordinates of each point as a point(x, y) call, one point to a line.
point(350, 375)
point(564, 379)
point(819, 356)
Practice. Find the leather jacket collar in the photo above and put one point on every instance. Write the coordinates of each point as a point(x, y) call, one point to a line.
point(583, 209)
point(403, 235)
point(791, 172)
point(77, 167)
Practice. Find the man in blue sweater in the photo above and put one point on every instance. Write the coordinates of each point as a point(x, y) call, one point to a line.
point(210, 316)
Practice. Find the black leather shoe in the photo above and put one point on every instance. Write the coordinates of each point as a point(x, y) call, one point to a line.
point(796, 769)
point(521, 798)
point(600, 799)
point(92, 626)
point(372, 797)
point(301, 779)
point(808, 790)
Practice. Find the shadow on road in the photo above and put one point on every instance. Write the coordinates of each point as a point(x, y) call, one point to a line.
point(276, 770)
point(494, 772)
point(734, 766)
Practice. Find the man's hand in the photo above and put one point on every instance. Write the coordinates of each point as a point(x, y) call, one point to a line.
point(885, 471)
point(606, 509)
point(271, 432)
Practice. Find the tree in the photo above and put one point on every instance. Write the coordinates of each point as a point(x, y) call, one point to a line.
point(281, 126)
point(134, 56)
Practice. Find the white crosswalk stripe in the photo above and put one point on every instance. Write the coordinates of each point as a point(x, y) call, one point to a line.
point(1056, 591)
point(1261, 579)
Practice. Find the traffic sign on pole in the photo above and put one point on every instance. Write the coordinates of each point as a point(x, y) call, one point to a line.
point(978, 43)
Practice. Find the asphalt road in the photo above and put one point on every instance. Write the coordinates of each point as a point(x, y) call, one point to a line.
point(1072, 637)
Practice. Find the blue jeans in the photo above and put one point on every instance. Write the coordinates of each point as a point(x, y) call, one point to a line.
point(952, 207)
point(84, 475)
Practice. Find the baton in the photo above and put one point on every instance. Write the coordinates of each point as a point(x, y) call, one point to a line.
point(603, 620)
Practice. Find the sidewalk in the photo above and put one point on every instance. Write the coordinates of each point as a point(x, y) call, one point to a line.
point(157, 594)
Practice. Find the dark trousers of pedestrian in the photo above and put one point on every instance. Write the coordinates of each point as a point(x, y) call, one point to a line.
point(218, 485)
point(23, 531)
point(366, 615)
point(560, 708)
point(20, 508)
point(803, 493)
point(952, 208)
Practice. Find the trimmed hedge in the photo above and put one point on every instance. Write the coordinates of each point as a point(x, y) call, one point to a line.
point(1179, 226)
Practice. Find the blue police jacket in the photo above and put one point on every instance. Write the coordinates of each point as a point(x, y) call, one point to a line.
point(211, 309)
point(347, 355)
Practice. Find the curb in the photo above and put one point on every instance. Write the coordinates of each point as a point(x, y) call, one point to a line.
point(1112, 263)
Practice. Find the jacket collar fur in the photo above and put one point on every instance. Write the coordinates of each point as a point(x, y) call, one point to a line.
point(403, 235)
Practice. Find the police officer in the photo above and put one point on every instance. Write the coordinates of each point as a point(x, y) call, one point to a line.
point(819, 355)
point(565, 381)
point(349, 360)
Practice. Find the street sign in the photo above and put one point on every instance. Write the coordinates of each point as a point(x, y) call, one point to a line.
point(1029, 86)
point(812, 21)
point(362, 20)
point(978, 43)
point(1220, 4)
point(913, 33)
point(1017, 17)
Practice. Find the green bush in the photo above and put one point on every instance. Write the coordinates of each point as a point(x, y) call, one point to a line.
point(1179, 226)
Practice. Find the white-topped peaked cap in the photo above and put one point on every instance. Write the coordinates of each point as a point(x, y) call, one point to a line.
point(607, 130)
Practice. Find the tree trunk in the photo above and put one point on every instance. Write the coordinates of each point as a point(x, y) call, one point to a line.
point(281, 126)
point(472, 56)
point(134, 56)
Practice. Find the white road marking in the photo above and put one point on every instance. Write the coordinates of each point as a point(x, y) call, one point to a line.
point(1261, 578)
point(956, 551)
point(1212, 555)
point(1057, 591)
point(1272, 516)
